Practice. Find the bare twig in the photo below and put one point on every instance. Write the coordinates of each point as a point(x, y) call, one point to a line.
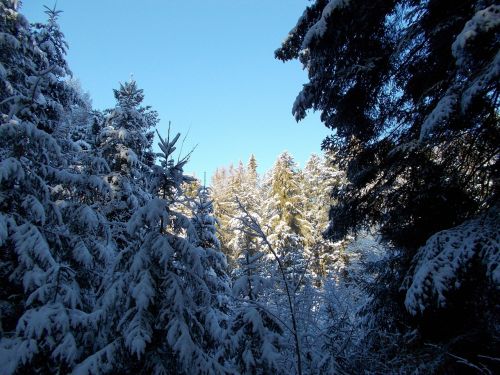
point(255, 227)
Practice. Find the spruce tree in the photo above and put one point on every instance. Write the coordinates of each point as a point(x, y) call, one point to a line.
point(411, 91)
point(224, 211)
point(125, 143)
point(319, 178)
point(52, 241)
point(288, 229)
point(215, 269)
point(159, 313)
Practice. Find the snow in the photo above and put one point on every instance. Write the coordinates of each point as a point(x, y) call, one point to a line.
point(3, 229)
point(319, 28)
point(43, 322)
point(87, 218)
point(240, 286)
point(9, 41)
point(82, 254)
point(29, 240)
point(144, 291)
point(441, 112)
point(483, 21)
point(447, 254)
point(302, 102)
point(67, 350)
point(490, 74)
point(11, 169)
point(34, 209)
point(26, 350)
point(98, 363)
point(128, 155)
point(138, 334)
point(150, 214)
point(3, 71)
point(248, 358)
point(162, 248)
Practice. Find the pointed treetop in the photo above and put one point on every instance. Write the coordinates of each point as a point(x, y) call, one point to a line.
point(52, 13)
point(252, 163)
point(129, 95)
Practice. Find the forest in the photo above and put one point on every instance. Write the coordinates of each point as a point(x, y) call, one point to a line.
point(381, 255)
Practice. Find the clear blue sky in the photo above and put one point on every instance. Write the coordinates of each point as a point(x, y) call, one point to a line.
point(207, 66)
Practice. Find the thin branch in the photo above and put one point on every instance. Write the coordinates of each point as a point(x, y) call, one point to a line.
point(258, 230)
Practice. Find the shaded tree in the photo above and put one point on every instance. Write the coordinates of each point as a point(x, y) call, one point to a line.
point(410, 89)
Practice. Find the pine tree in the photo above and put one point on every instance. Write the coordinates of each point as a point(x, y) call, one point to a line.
point(159, 312)
point(411, 91)
point(284, 215)
point(51, 240)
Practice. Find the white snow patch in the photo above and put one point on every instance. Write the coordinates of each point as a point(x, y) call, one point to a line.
point(483, 21)
point(440, 113)
point(319, 28)
point(446, 254)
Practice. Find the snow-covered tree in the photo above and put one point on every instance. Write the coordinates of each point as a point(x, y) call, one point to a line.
point(284, 217)
point(203, 220)
point(438, 266)
point(123, 152)
point(215, 270)
point(224, 210)
point(52, 240)
point(161, 312)
point(319, 177)
point(257, 335)
point(229, 186)
point(410, 90)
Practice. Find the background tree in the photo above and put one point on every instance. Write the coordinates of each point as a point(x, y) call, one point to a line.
point(227, 185)
point(284, 217)
point(319, 178)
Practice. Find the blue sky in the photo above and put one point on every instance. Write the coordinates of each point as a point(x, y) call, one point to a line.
point(206, 66)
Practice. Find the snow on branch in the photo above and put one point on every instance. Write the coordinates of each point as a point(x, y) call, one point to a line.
point(320, 27)
point(439, 263)
point(483, 21)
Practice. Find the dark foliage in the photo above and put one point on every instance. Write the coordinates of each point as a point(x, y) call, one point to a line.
point(410, 90)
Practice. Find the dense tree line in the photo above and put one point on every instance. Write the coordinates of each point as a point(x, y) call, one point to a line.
point(380, 256)
point(290, 203)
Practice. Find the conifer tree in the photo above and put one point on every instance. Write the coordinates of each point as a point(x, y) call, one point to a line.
point(284, 215)
point(159, 313)
point(319, 178)
point(124, 144)
point(241, 183)
point(51, 240)
point(204, 224)
point(224, 210)
point(410, 89)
